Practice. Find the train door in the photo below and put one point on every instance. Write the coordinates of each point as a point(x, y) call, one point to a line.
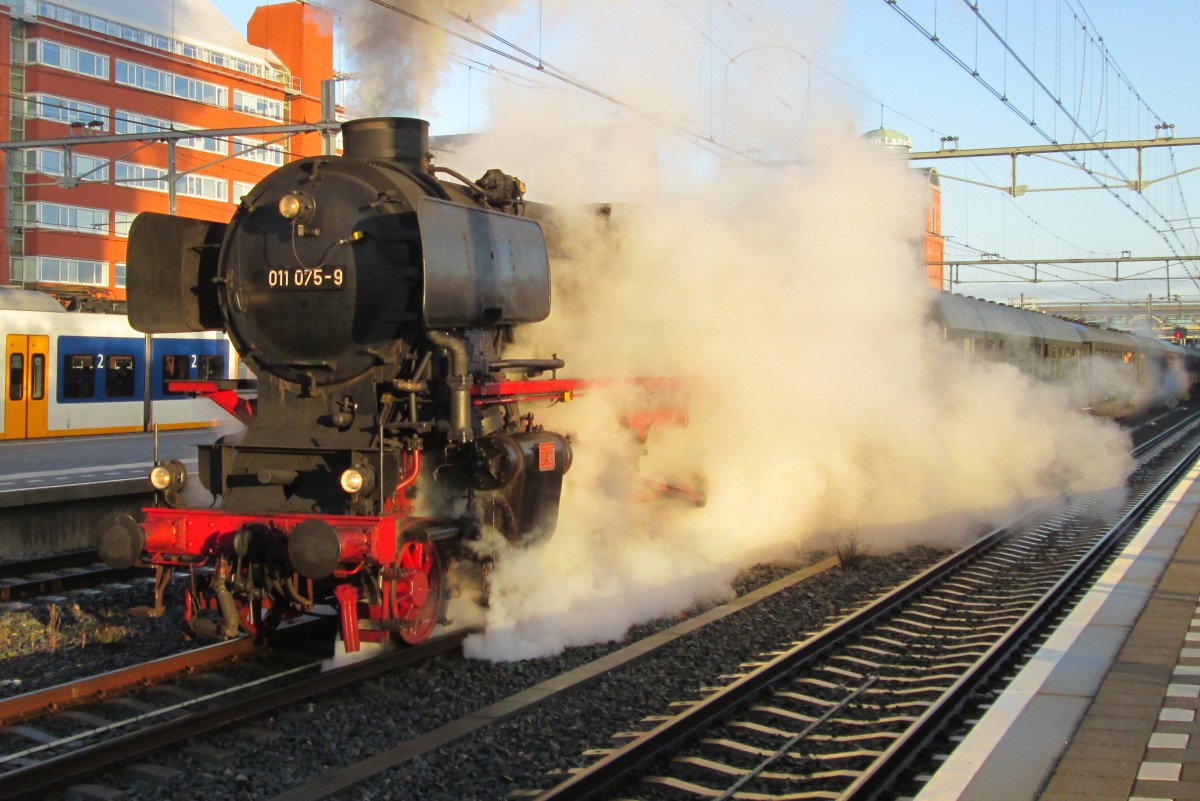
point(26, 400)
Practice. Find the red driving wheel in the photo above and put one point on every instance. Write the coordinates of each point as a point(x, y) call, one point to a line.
point(416, 591)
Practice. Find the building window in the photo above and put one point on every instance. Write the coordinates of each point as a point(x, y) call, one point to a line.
point(119, 270)
point(50, 161)
point(126, 122)
point(241, 189)
point(65, 57)
point(79, 219)
point(129, 122)
point(168, 83)
point(53, 270)
point(254, 150)
point(160, 42)
point(208, 144)
point(203, 186)
point(65, 109)
point(121, 222)
point(257, 105)
point(141, 176)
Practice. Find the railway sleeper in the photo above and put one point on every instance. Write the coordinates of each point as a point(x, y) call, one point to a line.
point(943, 664)
point(706, 792)
point(887, 707)
point(934, 690)
point(806, 699)
point(946, 677)
point(730, 770)
point(854, 738)
point(854, 660)
point(850, 674)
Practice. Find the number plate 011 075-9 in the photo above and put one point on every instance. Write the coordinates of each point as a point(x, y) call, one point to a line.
point(330, 277)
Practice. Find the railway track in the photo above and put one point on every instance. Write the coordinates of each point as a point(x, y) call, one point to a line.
point(844, 713)
point(69, 744)
point(32, 780)
point(57, 574)
point(45, 703)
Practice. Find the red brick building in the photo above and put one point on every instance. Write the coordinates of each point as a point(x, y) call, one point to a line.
point(83, 71)
point(932, 246)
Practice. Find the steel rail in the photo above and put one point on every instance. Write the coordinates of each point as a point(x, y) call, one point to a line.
point(66, 582)
point(617, 767)
point(36, 780)
point(95, 688)
point(905, 748)
point(44, 564)
point(614, 768)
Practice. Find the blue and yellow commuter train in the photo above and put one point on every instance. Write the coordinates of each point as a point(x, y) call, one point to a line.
point(73, 374)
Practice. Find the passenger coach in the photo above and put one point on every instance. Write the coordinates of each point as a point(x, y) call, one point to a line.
point(71, 374)
point(1108, 372)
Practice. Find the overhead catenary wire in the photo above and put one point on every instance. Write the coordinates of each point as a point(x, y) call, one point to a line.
point(540, 65)
point(1003, 97)
point(772, 32)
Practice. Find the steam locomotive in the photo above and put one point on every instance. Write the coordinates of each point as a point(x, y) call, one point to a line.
point(374, 302)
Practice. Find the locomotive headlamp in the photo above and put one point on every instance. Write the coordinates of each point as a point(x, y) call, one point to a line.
point(289, 206)
point(168, 476)
point(297, 207)
point(357, 479)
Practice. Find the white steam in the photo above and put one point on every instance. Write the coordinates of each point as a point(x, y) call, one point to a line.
point(822, 403)
point(401, 50)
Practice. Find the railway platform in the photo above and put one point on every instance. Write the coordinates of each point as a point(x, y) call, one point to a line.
point(53, 491)
point(1106, 710)
point(33, 465)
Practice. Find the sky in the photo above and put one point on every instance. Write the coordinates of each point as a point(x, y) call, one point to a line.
point(1061, 70)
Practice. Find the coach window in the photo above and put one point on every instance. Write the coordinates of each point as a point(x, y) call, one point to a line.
point(174, 368)
point(118, 377)
point(212, 368)
point(79, 376)
point(37, 377)
point(16, 376)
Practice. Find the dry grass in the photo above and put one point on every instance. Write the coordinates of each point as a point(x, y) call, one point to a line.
point(850, 550)
point(41, 629)
point(53, 624)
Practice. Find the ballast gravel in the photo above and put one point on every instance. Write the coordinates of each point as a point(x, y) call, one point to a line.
point(528, 752)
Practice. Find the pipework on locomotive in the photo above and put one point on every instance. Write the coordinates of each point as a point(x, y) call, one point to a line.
point(373, 302)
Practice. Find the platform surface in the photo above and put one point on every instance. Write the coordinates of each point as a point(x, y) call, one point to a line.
point(63, 461)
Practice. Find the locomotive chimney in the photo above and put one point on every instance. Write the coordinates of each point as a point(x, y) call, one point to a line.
point(402, 139)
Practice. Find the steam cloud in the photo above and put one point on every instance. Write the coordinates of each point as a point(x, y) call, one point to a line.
point(402, 60)
point(822, 403)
